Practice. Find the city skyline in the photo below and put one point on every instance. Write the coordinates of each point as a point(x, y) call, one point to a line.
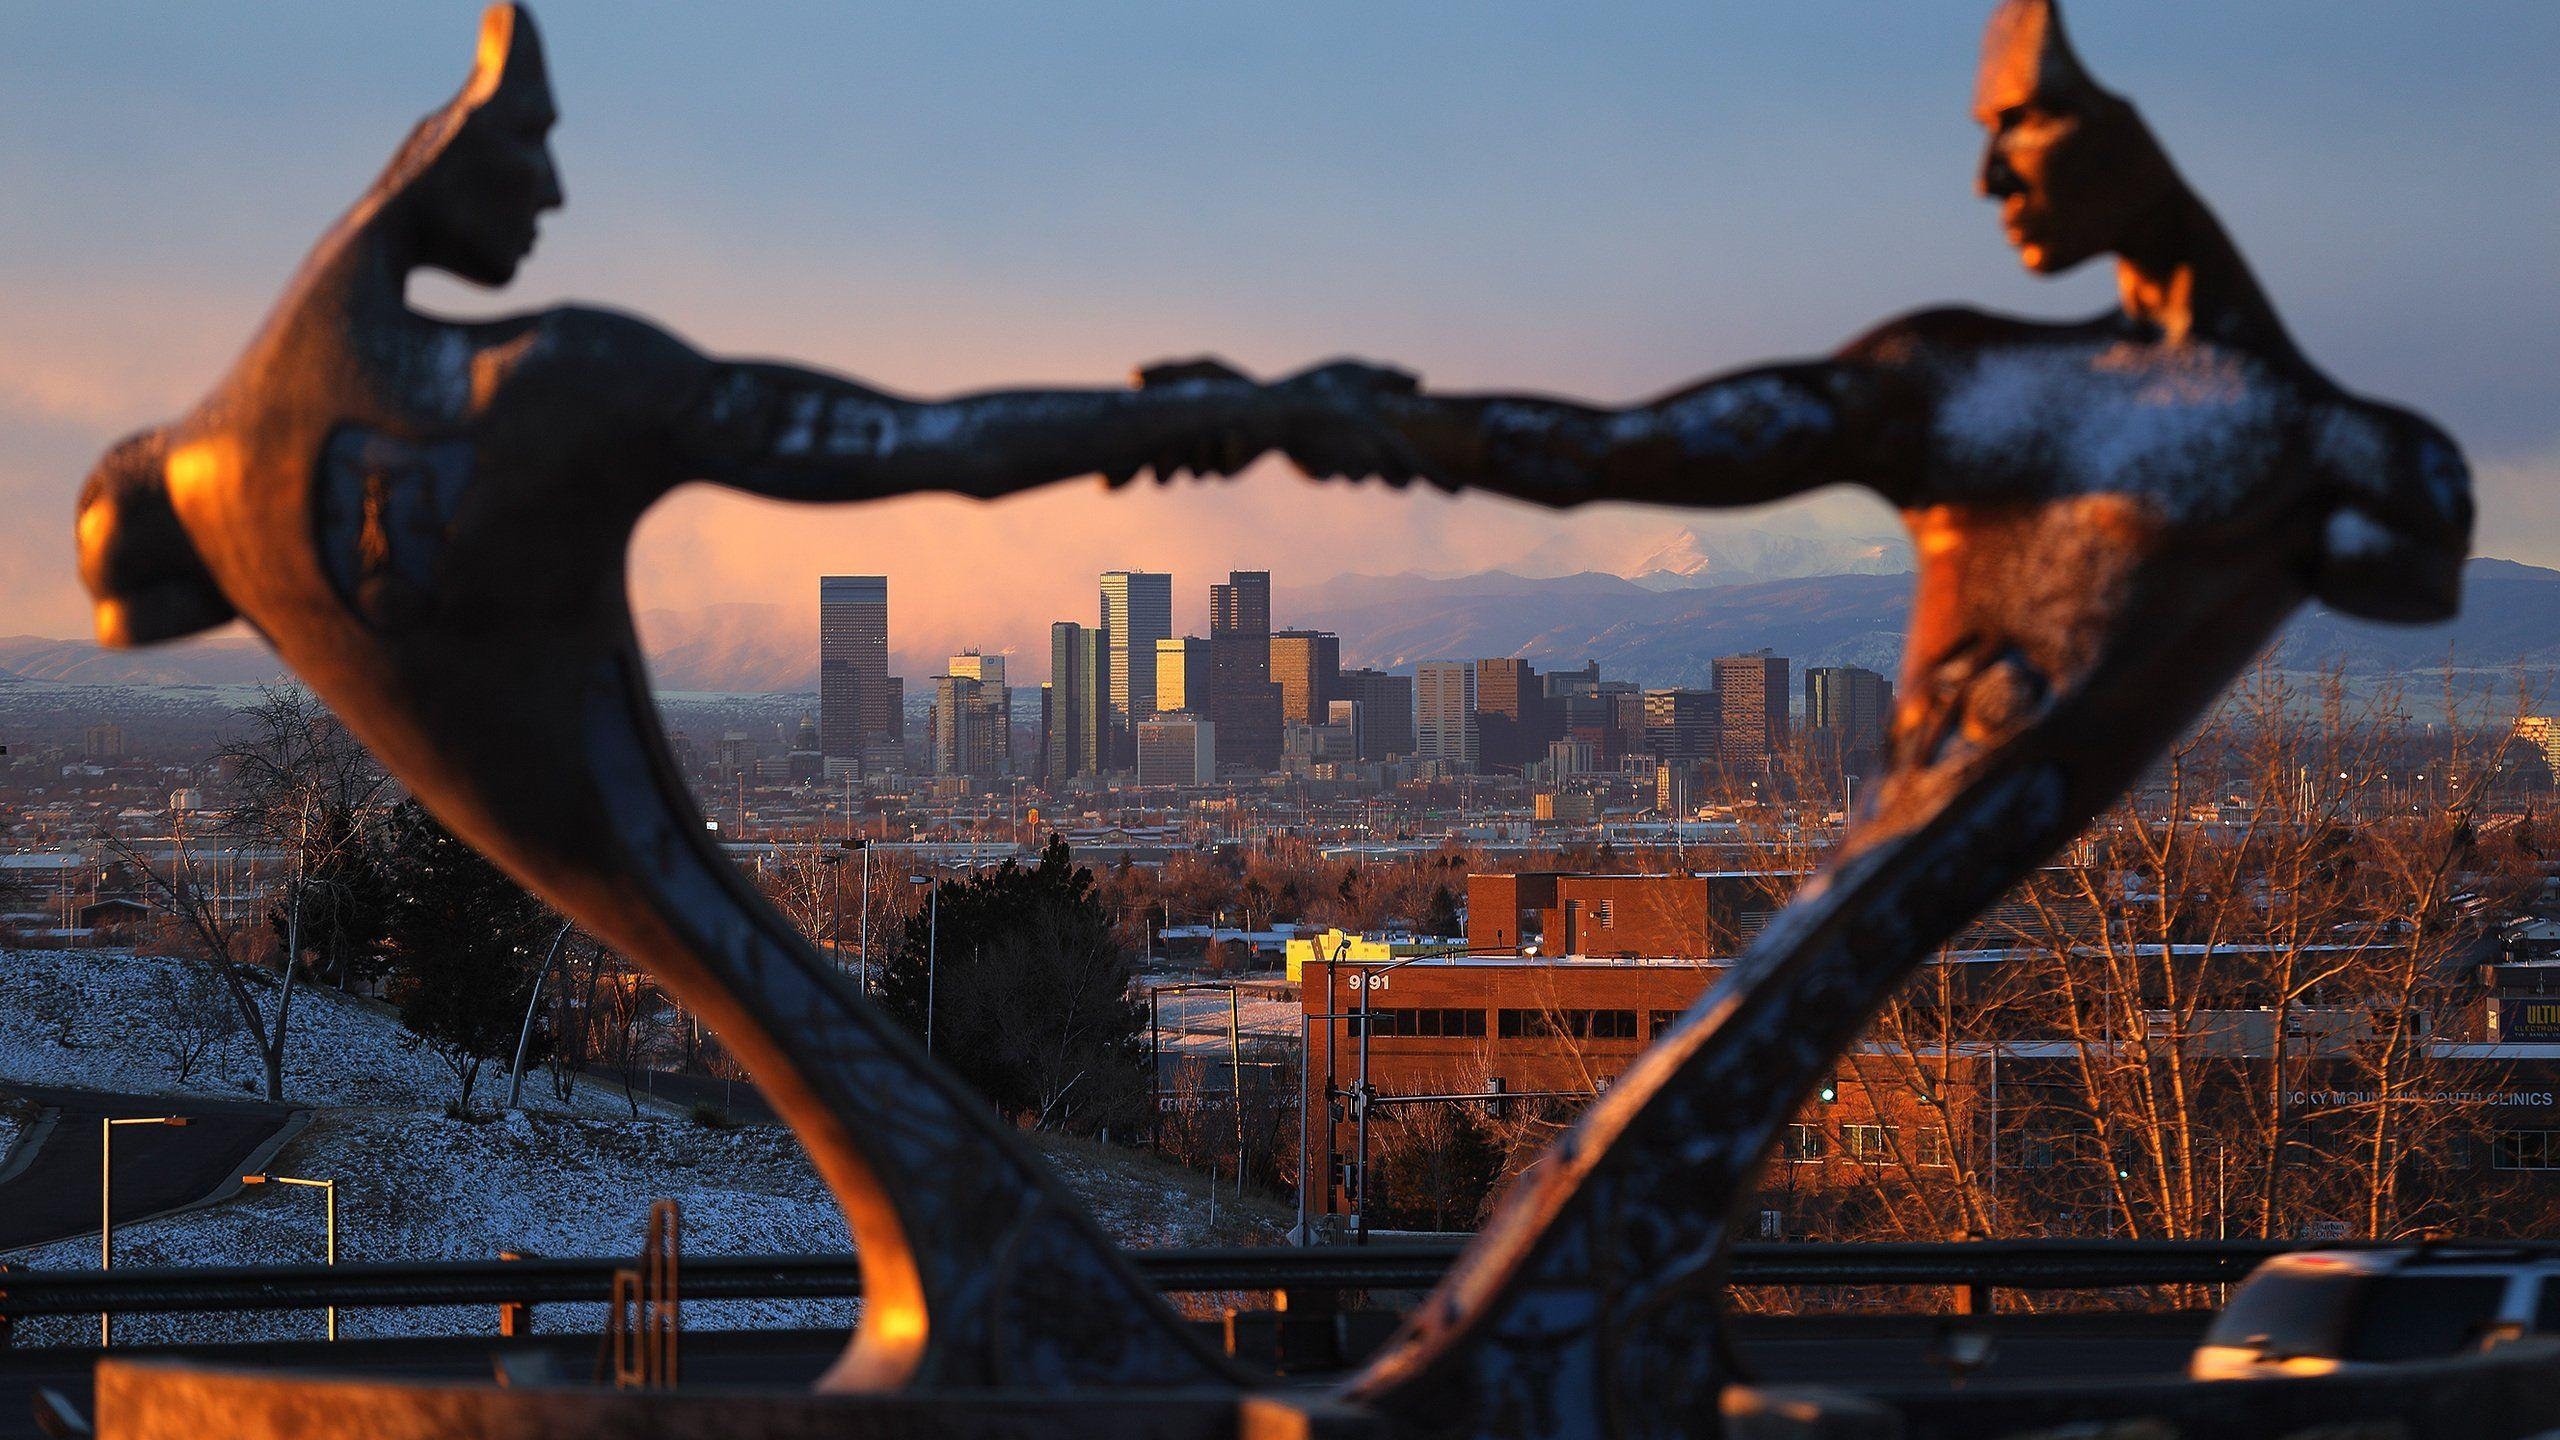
point(1678, 190)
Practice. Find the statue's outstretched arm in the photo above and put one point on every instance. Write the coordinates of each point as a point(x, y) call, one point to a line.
point(797, 434)
point(1739, 439)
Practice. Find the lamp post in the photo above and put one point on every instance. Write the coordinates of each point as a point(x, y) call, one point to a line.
point(864, 845)
point(524, 1036)
point(835, 893)
point(106, 1216)
point(329, 1197)
point(1368, 977)
point(932, 948)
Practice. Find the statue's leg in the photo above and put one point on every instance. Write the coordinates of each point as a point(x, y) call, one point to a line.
point(979, 1270)
point(1592, 1304)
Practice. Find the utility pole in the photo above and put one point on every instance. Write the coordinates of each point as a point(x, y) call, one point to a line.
point(1235, 1077)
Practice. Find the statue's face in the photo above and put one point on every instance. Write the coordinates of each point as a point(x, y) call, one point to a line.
point(484, 196)
point(2071, 178)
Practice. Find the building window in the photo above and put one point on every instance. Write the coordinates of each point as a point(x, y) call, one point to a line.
point(1804, 1143)
point(1773, 1226)
point(1567, 1024)
point(1663, 1020)
point(2525, 1150)
point(1608, 915)
point(1868, 1144)
point(2035, 1152)
point(1428, 1022)
point(1929, 1147)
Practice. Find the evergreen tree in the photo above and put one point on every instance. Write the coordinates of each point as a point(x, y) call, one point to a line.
point(463, 942)
point(1442, 917)
point(1029, 997)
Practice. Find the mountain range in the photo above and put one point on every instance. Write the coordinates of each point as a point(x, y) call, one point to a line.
point(1643, 628)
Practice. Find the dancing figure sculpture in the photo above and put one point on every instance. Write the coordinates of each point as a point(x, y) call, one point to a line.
point(2110, 519)
point(428, 520)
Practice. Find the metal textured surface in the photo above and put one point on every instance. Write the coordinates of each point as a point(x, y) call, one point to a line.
point(2110, 519)
point(429, 522)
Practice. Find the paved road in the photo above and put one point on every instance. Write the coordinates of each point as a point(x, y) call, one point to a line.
point(157, 1167)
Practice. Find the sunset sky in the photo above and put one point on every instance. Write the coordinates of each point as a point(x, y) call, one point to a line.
point(1595, 198)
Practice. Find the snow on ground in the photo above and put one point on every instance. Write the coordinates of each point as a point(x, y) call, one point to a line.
point(415, 1184)
point(97, 1018)
point(15, 1118)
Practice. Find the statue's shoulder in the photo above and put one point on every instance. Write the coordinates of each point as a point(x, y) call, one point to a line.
point(593, 334)
point(1947, 332)
point(594, 360)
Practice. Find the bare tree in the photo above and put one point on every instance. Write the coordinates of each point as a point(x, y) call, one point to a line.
point(191, 1017)
point(302, 784)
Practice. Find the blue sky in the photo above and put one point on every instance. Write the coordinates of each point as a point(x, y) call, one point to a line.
point(1598, 199)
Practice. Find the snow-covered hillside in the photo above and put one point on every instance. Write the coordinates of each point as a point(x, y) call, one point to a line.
point(417, 1184)
point(98, 1018)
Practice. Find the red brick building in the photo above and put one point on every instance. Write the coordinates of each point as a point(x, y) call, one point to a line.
point(1681, 917)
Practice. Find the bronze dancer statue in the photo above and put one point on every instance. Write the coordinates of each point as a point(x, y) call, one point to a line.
point(2110, 519)
point(428, 521)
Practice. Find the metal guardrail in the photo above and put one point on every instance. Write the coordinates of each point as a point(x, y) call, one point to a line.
point(1980, 1265)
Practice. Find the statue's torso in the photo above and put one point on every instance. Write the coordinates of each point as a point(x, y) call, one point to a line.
point(429, 521)
point(2073, 485)
point(2191, 432)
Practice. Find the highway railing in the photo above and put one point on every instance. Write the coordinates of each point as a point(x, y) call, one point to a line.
point(1976, 1266)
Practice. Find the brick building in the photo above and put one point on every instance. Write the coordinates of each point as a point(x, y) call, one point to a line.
point(1692, 917)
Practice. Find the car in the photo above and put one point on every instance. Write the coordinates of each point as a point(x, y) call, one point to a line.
point(2327, 1312)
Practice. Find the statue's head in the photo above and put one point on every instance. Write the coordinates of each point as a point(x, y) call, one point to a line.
point(2073, 166)
point(475, 177)
point(143, 572)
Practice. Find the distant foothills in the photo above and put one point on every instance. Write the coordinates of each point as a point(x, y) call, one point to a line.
point(1645, 629)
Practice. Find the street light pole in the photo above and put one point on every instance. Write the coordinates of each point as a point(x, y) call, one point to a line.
point(329, 1197)
point(864, 845)
point(932, 949)
point(515, 1072)
point(106, 1215)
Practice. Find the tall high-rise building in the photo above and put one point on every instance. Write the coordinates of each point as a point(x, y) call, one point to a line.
point(1444, 714)
point(1349, 719)
point(965, 725)
point(1079, 703)
point(1849, 706)
point(1582, 680)
point(1242, 701)
point(1182, 673)
point(1137, 611)
point(1386, 711)
point(1682, 725)
point(1511, 713)
point(1753, 689)
point(1242, 605)
point(854, 705)
point(1177, 750)
point(1307, 666)
point(997, 697)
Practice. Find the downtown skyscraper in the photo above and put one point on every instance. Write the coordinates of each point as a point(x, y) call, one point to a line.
point(1137, 611)
point(1078, 713)
point(1307, 666)
point(1445, 724)
point(1242, 700)
point(854, 699)
point(1752, 691)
